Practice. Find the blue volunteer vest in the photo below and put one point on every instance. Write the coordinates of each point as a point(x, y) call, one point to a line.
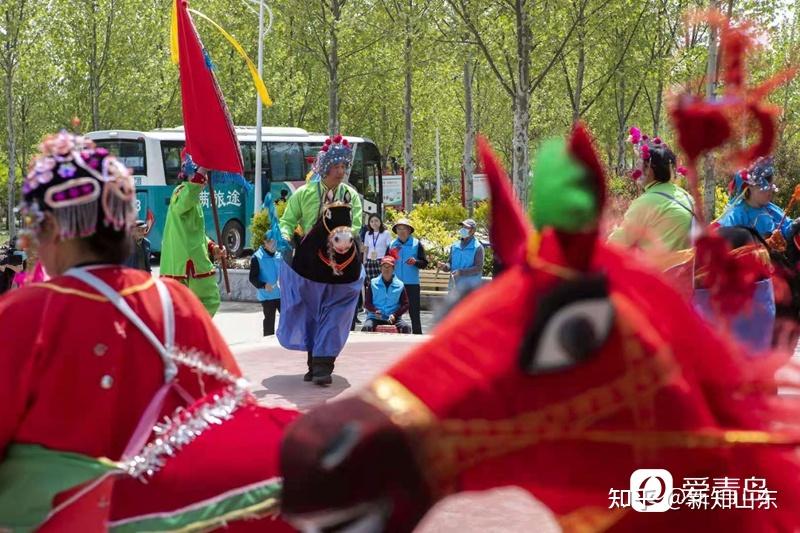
point(461, 258)
point(269, 270)
point(408, 274)
point(385, 299)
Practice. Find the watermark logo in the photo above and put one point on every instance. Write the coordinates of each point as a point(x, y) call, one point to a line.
point(654, 491)
point(651, 490)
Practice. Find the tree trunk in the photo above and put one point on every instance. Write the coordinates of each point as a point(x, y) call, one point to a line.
point(581, 68)
point(659, 103)
point(94, 82)
point(522, 113)
point(407, 110)
point(469, 135)
point(709, 183)
point(620, 167)
point(12, 150)
point(14, 19)
point(333, 69)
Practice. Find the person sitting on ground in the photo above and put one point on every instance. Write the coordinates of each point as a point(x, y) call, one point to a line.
point(140, 258)
point(466, 257)
point(386, 300)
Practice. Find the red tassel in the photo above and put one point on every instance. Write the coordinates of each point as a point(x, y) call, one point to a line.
point(701, 126)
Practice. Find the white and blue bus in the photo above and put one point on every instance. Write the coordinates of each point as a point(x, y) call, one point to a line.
point(287, 155)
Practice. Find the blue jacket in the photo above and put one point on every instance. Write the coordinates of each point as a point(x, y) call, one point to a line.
point(764, 220)
point(385, 299)
point(461, 258)
point(408, 274)
point(269, 268)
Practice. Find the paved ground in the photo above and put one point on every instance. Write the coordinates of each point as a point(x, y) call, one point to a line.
point(276, 376)
point(240, 322)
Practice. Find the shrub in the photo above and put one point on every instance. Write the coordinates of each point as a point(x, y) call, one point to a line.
point(258, 228)
point(261, 222)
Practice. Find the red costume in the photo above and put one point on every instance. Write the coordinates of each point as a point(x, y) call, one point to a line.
point(123, 408)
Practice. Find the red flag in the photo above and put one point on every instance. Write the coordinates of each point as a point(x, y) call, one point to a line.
point(210, 137)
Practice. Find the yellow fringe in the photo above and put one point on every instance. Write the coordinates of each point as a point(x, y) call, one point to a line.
point(257, 81)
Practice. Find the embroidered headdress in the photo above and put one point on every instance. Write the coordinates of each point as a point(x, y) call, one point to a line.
point(82, 186)
point(335, 150)
point(643, 145)
point(760, 176)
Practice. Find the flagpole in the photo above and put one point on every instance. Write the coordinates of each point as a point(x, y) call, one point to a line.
point(259, 193)
point(213, 197)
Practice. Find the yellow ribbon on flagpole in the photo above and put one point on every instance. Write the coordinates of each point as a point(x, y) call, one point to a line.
point(173, 33)
point(173, 42)
point(257, 81)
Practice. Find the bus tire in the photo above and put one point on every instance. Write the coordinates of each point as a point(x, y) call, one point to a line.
point(233, 238)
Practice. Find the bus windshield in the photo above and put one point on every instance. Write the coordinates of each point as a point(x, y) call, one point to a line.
point(130, 152)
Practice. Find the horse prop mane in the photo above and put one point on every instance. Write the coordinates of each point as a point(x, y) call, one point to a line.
point(565, 375)
point(327, 253)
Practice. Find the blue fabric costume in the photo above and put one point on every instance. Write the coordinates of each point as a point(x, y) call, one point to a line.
point(764, 219)
point(324, 331)
point(754, 325)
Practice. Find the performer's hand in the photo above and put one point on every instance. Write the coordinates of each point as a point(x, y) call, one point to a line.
point(441, 266)
point(220, 253)
point(267, 287)
point(456, 273)
point(391, 319)
point(378, 313)
point(776, 241)
point(411, 261)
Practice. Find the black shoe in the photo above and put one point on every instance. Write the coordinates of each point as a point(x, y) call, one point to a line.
point(322, 368)
point(308, 375)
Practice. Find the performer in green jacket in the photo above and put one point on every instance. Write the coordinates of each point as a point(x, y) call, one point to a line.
point(186, 251)
point(305, 205)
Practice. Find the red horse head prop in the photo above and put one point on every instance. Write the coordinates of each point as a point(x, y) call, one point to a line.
point(563, 376)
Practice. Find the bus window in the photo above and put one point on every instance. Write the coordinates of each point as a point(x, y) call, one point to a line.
point(370, 160)
point(171, 155)
point(286, 162)
point(310, 151)
point(130, 153)
point(357, 171)
point(248, 160)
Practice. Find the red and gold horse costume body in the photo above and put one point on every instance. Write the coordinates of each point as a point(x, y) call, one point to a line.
point(572, 369)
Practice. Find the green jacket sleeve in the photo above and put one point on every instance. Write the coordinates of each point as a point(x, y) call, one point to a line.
point(291, 215)
point(357, 214)
point(186, 196)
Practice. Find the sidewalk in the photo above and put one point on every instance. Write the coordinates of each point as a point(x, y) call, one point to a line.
point(241, 322)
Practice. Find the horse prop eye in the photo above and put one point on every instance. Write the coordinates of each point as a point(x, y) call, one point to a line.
point(328, 214)
point(572, 324)
point(346, 198)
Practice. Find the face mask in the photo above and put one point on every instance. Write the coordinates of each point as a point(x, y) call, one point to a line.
point(464, 233)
